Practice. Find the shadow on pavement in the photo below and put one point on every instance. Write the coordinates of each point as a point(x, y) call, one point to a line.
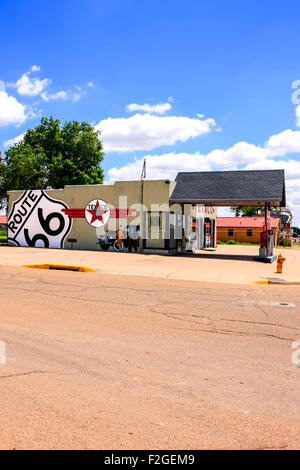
point(220, 256)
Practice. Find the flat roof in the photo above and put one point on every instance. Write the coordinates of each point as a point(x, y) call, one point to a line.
point(230, 188)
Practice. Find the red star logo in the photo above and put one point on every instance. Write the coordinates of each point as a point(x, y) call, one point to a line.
point(97, 214)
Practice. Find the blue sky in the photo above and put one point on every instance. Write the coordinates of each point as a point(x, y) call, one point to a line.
point(220, 71)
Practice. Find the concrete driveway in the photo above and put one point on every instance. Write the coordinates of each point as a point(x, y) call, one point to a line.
point(228, 264)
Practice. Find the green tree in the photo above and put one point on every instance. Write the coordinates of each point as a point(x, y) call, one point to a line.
point(51, 156)
point(296, 231)
point(245, 211)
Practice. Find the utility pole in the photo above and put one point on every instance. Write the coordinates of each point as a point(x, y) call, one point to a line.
point(143, 176)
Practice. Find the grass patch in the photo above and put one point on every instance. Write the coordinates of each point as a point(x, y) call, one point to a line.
point(233, 242)
point(3, 237)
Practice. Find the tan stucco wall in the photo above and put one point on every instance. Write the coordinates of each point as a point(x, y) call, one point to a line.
point(154, 192)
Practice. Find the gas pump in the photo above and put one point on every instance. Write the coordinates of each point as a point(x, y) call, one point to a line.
point(267, 241)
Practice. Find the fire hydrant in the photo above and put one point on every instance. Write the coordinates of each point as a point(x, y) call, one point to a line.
point(280, 261)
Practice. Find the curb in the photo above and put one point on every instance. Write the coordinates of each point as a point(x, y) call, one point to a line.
point(60, 267)
point(277, 283)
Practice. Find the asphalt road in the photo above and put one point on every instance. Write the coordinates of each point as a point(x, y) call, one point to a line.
point(99, 361)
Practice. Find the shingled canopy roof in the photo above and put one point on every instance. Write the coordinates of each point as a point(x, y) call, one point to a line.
point(230, 188)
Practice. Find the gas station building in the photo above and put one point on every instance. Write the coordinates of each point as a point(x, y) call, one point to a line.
point(170, 216)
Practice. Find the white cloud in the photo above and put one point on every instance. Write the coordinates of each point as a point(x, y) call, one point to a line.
point(292, 176)
point(160, 108)
point(11, 111)
point(146, 132)
point(91, 84)
point(60, 95)
point(33, 86)
point(13, 141)
point(63, 95)
point(285, 142)
point(241, 155)
point(30, 86)
point(238, 154)
point(228, 115)
point(160, 166)
point(296, 100)
point(77, 95)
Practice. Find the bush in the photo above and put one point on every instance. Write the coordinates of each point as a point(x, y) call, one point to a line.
point(3, 237)
point(283, 242)
point(231, 242)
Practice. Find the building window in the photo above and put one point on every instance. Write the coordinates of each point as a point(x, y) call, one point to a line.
point(230, 232)
point(249, 233)
point(155, 219)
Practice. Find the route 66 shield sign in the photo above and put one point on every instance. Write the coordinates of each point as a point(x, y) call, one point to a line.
point(37, 220)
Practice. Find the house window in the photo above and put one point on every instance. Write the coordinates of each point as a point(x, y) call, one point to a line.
point(249, 233)
point(230, 232)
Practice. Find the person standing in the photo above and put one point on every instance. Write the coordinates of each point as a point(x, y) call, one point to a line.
point(132, 238)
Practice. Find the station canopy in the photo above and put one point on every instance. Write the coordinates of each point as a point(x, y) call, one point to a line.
point(230, 188)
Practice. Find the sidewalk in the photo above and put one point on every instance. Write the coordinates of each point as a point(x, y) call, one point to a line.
point(229, 264)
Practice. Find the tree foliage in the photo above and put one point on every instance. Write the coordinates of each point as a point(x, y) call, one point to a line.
point(296, 231)
point(245, 211)
point(51, 156)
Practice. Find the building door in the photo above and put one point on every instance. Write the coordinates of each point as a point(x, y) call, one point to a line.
point(155, 230)
point(208, 233)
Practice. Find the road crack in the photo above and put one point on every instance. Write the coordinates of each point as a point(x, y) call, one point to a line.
point(29, 373)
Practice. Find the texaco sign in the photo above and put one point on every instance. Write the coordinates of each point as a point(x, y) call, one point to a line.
point(38, 220)
point(97, 213)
